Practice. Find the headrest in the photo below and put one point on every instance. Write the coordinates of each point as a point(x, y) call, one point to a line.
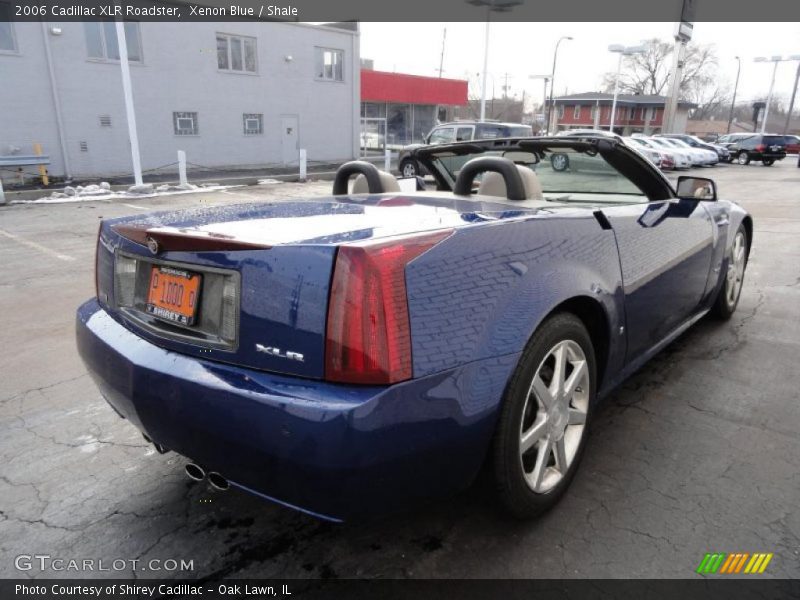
point(493, 184)
point(388, 183)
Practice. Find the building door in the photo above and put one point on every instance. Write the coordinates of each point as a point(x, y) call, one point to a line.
point(290, 138)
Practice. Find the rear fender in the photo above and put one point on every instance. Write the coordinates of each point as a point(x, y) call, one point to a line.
point(483, 292)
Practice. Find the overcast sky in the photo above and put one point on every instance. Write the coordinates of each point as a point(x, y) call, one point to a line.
point(523, 49)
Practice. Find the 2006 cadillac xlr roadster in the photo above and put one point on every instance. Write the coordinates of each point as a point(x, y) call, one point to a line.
point(347, 355)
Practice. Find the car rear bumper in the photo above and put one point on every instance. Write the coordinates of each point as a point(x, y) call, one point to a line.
point(334, 451)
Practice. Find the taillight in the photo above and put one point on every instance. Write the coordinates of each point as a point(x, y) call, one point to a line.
point(760, 148)
point(96, 251)
point(368, 337)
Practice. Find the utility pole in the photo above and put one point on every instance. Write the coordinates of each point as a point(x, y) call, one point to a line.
point(791, 102)
point(441, 57)
point(735, 88)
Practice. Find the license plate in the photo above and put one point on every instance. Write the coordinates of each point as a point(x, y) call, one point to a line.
point(173, 294)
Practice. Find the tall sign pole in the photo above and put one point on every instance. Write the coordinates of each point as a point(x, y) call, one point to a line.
point(683, 33)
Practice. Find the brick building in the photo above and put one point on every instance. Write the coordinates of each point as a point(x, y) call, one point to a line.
point(634, 113)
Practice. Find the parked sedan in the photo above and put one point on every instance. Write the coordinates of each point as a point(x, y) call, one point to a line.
point(700, 156)
point(354, 354)
point(669, 158)
point(683, 157)
point(695, 142)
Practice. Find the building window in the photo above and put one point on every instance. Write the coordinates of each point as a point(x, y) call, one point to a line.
point(594, 113)
point(236, 53)
point(330, 64)
point(185, 123)
point(253, 123)
point(101, 40)
point(8, 42)
point(560, 111)
point(105, 120)
point(576, 112)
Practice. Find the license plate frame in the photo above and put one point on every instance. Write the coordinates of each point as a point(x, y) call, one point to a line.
point(173, 294)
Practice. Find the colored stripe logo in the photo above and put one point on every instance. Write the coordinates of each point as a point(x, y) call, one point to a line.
point(734, 563)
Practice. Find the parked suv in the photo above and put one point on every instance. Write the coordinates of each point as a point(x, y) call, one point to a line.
point(764, 147)
point(696, 142)
point(459, 131)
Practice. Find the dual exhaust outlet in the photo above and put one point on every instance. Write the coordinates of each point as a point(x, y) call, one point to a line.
point(215, 480)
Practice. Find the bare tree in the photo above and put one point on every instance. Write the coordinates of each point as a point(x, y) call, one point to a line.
point(649, 72)
point(713, 102)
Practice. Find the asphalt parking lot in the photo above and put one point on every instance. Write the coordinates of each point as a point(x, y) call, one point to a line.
point(697, 453)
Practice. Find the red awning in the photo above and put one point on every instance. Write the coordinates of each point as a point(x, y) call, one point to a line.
point(378, 86)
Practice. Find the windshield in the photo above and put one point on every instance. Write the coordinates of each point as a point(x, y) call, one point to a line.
point(559, 171)
point(660, 142)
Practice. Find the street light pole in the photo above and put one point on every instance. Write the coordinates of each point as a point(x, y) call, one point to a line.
point(735, 88)
point(623, 51)
point(545, 79)
point(485, 67)
point(553, 81)
point(616, 93)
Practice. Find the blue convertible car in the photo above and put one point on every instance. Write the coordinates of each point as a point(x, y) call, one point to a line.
point(352, 354)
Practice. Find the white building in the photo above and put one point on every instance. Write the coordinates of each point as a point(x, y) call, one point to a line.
point(232, 94)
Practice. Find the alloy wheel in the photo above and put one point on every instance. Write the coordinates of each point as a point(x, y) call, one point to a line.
point(735, 274)
point(554, 416)
point(409, 170)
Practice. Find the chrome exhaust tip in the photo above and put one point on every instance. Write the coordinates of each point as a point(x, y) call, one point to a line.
point(218, 482)
point(195, 472)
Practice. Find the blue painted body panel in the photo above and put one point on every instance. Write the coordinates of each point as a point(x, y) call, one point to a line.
point(475, 299)
point(335, 451)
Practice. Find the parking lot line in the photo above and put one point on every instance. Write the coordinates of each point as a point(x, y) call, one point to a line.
point(35, 246)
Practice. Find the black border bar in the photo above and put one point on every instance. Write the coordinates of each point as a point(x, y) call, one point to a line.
point(731, 588)
point(410, 10)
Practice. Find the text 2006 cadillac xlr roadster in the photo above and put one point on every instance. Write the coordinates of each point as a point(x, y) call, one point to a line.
point(348, 355)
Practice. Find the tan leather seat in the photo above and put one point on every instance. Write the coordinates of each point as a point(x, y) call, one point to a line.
point(388, 182)
point(493, 184)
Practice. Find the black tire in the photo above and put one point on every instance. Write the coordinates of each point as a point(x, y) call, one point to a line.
point(559, 161)
point(517, 497)
point(724, 306)
point(409, 168)
point(743, 158)
point(768, 162)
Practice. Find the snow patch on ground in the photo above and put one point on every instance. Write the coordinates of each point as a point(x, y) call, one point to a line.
point(268, 181)
point(103, 191)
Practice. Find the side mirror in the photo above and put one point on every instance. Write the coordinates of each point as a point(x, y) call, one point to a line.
point(696, 188)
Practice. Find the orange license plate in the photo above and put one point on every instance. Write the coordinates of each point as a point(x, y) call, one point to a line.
point(174, 294)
